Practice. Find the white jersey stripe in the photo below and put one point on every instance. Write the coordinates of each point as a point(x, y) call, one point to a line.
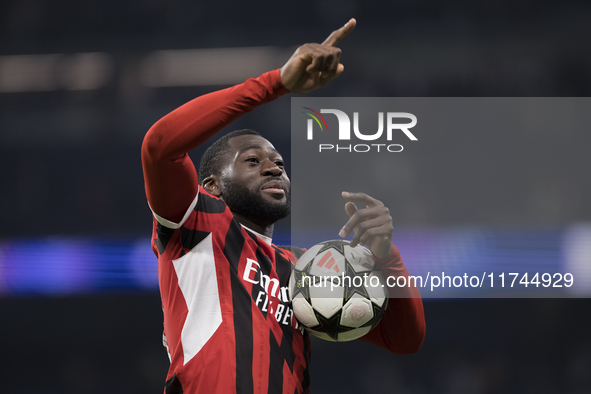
point(198, 283)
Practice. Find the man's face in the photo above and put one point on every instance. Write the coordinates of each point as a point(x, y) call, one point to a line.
point(254, 183)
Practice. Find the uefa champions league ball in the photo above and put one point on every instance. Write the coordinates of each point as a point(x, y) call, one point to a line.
point(337, 292)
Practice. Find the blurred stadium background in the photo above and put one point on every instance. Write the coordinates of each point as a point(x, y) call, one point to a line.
point(81, 83)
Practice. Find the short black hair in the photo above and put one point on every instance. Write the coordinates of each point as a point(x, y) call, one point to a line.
point(214, 157)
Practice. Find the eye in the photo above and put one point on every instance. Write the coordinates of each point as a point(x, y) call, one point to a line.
point(279, 163)
point(252, 159)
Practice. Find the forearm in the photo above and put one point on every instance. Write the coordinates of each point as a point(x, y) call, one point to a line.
point(195, 122)
point(402, 328)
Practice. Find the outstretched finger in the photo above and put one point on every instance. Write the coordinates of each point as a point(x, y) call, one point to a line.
point(337, 35)
point(357, 217)
point(363, 198)
point(350, 208)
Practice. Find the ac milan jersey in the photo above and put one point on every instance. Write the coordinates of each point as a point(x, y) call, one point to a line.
point(228, 323)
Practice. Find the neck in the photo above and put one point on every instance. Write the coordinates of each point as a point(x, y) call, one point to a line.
point(266, 230)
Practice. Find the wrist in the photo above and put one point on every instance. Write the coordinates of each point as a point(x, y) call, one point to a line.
point(276, 83)
point(393, 258)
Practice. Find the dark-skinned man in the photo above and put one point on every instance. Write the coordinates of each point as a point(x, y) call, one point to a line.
point(213, 233)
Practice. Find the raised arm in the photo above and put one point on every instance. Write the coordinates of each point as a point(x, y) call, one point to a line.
point(169, 174)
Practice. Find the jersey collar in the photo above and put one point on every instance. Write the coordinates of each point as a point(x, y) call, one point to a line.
point(268, 240)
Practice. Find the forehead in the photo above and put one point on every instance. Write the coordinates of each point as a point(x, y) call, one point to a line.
point(243, 143)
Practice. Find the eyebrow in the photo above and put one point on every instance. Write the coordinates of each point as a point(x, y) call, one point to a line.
point(256, 147)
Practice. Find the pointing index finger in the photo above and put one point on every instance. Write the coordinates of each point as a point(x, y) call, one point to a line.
point(337, 35)
point(370, 202)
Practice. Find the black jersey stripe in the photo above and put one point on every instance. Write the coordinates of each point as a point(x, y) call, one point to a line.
point(263, 260)
point(275, 366)
point(233, 245)
point(265, 266)
point(190, 238)
point(287, 346)
point(208, 204)
point(164, 236)
point(241, 305)
point(173, 386)
point(283, 267)
point(307, 354)
point(243, 334)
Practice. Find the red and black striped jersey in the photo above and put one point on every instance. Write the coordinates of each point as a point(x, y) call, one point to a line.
point(228, 322)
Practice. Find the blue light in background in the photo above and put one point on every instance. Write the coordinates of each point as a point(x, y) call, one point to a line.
point(58, 266)
point(73, 265)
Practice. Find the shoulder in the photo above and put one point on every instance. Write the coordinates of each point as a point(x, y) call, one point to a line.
point(203, 202)
point(206, 215)
point(207, 203)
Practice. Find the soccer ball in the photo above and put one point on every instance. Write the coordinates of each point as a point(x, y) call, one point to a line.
point(337, 292)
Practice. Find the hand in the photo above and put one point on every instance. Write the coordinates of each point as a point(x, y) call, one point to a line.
point(372, 225)
point(314, 65)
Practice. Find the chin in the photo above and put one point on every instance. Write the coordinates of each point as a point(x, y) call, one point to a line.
point(278, 200)
point(274, 198)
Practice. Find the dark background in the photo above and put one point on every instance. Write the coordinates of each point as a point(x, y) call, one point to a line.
point(70, 166)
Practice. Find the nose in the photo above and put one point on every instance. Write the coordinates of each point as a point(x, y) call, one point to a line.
point(271, 168)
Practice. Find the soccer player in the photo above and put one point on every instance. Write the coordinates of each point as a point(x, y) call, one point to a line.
point(228, 323)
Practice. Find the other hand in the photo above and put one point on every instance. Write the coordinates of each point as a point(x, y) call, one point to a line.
point(372, 225)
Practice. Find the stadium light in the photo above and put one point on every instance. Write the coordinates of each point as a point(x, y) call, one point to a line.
point(214, 66)
point(40, 73)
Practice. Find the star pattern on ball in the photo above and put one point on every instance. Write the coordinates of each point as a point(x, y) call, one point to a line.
point(334, 244)
point(302, 285)
point(350, 276)
point(330, 326)
point(308, 273)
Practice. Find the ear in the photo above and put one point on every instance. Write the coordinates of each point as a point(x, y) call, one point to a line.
point(213, 185)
